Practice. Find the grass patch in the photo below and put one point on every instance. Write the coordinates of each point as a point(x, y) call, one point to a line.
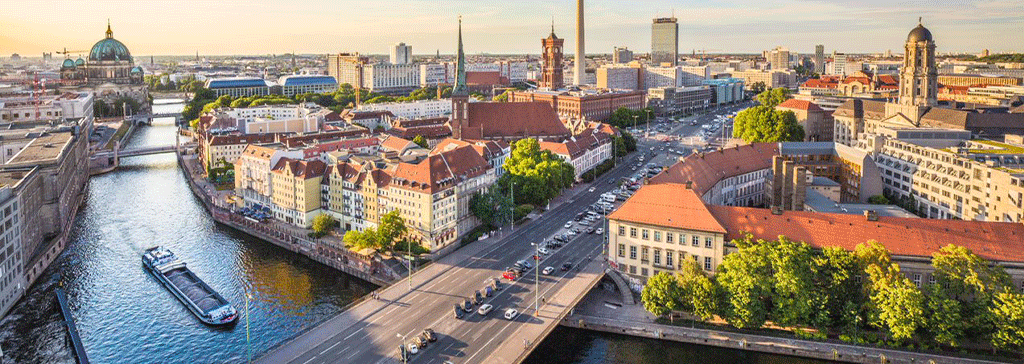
point(121, 131)
point(1003, 148)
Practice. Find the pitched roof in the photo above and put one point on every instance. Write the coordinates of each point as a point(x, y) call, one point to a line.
point(300, 168)
point(485, 78)
point(669, 204)
point(800, 105)
point(395, 143)
point(996, 241)
point(513, 120)
point(860, 108)
point(259, 152)
point(441, 170)
point(705, 170)
point(824, 82)
point(217, 140)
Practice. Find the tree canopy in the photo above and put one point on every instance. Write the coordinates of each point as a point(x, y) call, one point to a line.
point(765, 124)
point(421, 141)
point(536, 175)
point(383, 238)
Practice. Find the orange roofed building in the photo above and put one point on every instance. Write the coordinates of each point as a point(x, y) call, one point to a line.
point(661, 225)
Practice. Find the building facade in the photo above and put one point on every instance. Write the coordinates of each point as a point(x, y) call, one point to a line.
point(401, 54)
point(237, 87)
point(304, 84)
point(552, 71)
point(665, 42)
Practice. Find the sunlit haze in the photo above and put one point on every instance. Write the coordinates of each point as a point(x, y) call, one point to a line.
point(169, 27)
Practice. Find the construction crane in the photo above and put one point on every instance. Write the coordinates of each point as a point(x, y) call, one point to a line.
point(66, 52)
point(703, 52)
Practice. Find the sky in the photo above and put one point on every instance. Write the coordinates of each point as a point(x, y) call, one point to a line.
point(235, 27)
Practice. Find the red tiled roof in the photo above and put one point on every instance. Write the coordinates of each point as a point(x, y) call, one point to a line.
point(299, 168)
point(217, 140)
point(394, 143)
point(995, 241)
point(669, 204)
point(705, 170)
point(821, 83)
point(513, 120)
point(800, 105)
point(440, 170)
point(485, 78)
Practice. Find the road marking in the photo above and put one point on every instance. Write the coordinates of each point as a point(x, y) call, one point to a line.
point(331, 347)
point(309, 360)
point(356, 332)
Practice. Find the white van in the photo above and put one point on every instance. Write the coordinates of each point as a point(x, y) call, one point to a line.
point(510, 314)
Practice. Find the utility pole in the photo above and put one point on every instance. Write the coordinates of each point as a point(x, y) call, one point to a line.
point(512, 216)
point(536, 281)
point(409, 247)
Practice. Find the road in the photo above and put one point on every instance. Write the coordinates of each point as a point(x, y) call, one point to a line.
point(373, 330)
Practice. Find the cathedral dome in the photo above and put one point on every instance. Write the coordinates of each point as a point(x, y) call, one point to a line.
point(136, 70)
point(109, 49)
point(68, 63)
point(919, 34)
point(80, 62)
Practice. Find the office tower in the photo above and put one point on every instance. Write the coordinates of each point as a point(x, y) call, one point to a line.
point(819, 59)
point(665, 41)
point(401, 54)
point(779, 58)
point(622, 55)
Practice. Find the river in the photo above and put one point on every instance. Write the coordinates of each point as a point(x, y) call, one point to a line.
point(125, 316)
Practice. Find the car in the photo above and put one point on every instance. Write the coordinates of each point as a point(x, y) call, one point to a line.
point(566, 266)
point(571, 233)
point(599, 231)
point(592, 189)
point(548, 270)
point(634, 168)
point(543, 251)
point(478, 298)
point(611, 181)
point(458, 311)
point(497, 284)
point(510, 314)
point(507, 275)
point(485, 309)
point(467, 305)
point(590, 230)
point(568, 224)
point(526, 263)
point(420, 342)
point(488, 291)
point(575, 230)
point(538, 257)
point(429, 335)
point(412, 348)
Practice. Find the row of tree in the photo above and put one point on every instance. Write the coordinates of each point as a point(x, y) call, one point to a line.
point(385, 237)
point(856, 295)
point(627, 118)
point(765, 124)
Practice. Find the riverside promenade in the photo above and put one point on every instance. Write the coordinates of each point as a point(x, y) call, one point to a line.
point(602, 310)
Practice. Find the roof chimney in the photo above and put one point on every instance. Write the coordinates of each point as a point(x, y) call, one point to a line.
point(871, 215)
point(776, 210)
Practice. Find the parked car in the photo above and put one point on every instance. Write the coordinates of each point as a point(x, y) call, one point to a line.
point(548, 270)
point(590, 230)
point(458, 311)
point(543, 250)
point(509, 275)
point(420, 342)
point(591, 189)
point(599, 231)
point(568, 224)
point(467, 305)
point(566, 266)
point(412, 348)
point(510, 314)
point(497, 284)
point(484, 309)
point(429, 335)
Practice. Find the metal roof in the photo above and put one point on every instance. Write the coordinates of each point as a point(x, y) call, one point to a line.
point(235, 82)
point(307, 80)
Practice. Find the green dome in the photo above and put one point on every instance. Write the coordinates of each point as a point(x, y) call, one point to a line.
point(68, 63)
point(136, 70)
point(80, 62)
point(109, 49)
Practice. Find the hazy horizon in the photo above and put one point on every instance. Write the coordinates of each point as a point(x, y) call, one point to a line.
point(262, 27)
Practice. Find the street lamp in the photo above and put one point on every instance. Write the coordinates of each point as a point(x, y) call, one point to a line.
point(405, 358)
point(409, 258)
point(536, 281)
point(512, 215)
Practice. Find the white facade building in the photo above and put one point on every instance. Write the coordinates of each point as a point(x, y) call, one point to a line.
point(423, 109)
point(401, 54)
point(12, 281)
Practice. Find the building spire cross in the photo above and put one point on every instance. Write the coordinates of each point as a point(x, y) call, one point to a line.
point(110, 33)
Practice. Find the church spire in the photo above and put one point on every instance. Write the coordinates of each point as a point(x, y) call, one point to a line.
point(110, 33)
point(460, 68)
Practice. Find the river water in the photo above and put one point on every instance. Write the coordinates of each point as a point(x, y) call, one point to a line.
point(125, 316)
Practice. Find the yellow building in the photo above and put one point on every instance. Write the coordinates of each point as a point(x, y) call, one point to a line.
point(296, 190)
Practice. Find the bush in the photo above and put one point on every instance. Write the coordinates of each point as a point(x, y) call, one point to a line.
point(878, 200)
point(522, 211)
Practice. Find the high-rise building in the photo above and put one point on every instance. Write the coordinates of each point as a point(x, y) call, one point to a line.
point(579, 76)
point(401, 54)
point(779, 58)
point(622, 55)
point(918, 81)
point(552, 77)
point(839, 63)
point(819, 59)
point(665, 41)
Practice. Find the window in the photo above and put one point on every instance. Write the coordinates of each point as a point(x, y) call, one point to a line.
point(657, 257)
point(708, 242)
point(657, 236)
point(668, 258)
point(707, 263)
point(622, 231)
point(646, 234)
point(695, 241)
point(643, 254)
point(622, 250)
point(632, 232)
point(668, 237)
point(632, 269)
point(917, 279)
point(632, 252)
point(643, 272)
point(696, 258)
point(1021, 286)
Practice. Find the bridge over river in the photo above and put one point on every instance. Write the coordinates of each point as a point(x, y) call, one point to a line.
point(371, 330)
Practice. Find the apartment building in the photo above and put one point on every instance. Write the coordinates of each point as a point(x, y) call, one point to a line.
point(619, 77)
point(301, 118)
point(228, 148)
point(818, 124)
point(770, 78)
point(295, 190)
point(966, 79)
point(253, 182)
point(423, 109)
point(685, 100)
point(731, 176)
point(12, 281)
point(587, 104)
point(584, 151)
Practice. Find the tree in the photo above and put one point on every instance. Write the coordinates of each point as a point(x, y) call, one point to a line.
point(878, 200)
point(366, 239)
point(945, 322)
point(536, 175)
point(698, 294)
point(492, 207)
point(421, 141)
point(763, 124)
point(839, 298)
point(746, 281)
point(391, 228)
point(1007, 311)
point(757, 87)
point(896, 305)
point(971, 282)
point(773, 97)
point(661, 294)
point(322, 224)
point(796, 296)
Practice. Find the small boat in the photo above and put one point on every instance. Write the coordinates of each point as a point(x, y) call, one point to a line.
point(198, 297)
